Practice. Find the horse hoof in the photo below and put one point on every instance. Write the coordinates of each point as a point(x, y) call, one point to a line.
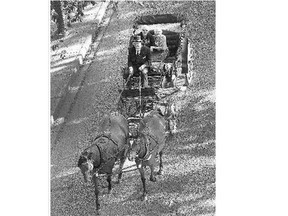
point(153, 179)
point(117, 182)
point(159, 172)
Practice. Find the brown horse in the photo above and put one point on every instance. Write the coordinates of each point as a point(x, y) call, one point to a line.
point(106, 149)
point(150, 142)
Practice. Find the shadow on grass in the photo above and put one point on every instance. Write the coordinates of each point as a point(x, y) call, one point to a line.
point(74, 34)
point(55, 36)
point(61, 70)
point(182, 194)
point(172, 193)
point(196, 151)
point(62, 63)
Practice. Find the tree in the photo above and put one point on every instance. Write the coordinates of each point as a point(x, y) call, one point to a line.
point(56, 5)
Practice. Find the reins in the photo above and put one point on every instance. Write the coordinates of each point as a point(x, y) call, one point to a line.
point(140, 96)
point(125, 84)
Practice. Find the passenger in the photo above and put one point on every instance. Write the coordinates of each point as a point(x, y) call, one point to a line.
point(160, 51)
point(139, 58)
point(146, 37)
point(168, 76)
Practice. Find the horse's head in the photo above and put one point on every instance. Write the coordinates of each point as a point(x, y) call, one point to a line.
point(86, 166)
point(137, 147)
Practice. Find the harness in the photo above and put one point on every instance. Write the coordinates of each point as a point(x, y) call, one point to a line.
point(105, 136)
point(149, 151)
point(102, 162)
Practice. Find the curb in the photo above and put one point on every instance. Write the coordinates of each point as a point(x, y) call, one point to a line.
point(66, 102)
point(79, 60)
point(89, 40)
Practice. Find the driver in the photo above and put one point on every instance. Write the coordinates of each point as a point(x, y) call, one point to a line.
point(139, 58)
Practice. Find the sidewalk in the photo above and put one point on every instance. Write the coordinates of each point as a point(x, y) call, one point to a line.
point(67, 58)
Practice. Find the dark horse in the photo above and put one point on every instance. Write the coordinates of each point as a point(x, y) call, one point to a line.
point(106, 149)
point(149, 143)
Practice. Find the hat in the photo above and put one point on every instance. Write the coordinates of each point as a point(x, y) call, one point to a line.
point(137, 39)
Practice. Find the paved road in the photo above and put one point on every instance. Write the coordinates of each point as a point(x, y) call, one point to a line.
point(96, 97)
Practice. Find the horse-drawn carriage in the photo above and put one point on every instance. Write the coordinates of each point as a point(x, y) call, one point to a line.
point(143, 111)
point(165, 76)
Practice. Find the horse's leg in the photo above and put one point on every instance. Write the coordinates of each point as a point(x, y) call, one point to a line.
point(173, 126)
point(95, 181)
point(160, 164)
point(122, 160)
point(141, 170)
point(151, 165)
point(109, 183)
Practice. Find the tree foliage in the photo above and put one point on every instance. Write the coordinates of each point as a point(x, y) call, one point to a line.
point(67, 12)
point(57, 16)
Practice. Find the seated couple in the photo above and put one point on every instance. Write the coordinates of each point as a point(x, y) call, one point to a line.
point(157, 43)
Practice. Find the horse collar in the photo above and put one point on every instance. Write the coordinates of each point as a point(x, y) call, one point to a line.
point(100, 155)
